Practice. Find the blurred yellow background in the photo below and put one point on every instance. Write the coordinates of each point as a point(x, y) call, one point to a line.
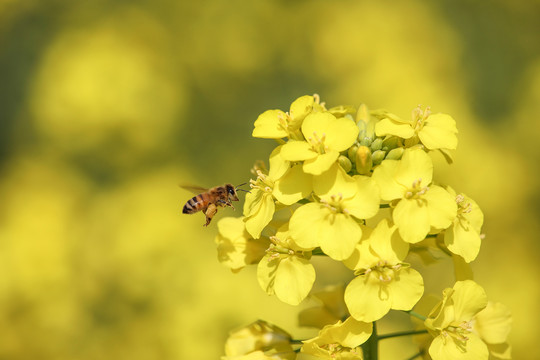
point(106, 106)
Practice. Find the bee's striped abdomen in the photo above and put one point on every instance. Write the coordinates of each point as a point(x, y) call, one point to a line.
point(193, 205)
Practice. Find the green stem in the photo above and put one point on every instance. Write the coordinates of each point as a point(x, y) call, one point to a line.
point(371, 347)
point(318, 251)
point(402, 333)
point(416, 315)
point(384, 206)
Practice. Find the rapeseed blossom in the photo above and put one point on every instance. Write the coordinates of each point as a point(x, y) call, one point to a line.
point(419, 206)
point(285, 270)
point(452, 323)
point(332, 222)
point(325, 137)
point(356, 187)
point(383, 280)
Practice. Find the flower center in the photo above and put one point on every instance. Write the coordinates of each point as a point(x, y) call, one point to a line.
point(459, 334)
point(383, 271)
point(317, 143)
point(335, 204)
point(416, 190)
point(263, 182)
point(464, 207)
point(419, 117)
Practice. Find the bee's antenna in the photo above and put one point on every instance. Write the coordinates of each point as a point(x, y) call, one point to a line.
point(237, 188)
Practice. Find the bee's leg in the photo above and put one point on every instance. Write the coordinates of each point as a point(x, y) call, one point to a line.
point(210, 212)
point(226, 203)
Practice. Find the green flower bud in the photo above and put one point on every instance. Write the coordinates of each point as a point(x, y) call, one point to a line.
point(376, 144)
point(391, 142)
point(345, 163)
point(395, 154)
point(378, 157)
point(351, 153)
point(365, 141)
point(363, 160)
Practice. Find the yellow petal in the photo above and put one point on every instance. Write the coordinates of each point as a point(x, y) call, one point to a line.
point(297, 151)
point(268, 125)
point(266, 270)
point(293, 280)
point(439, 132)
point(412, 219)
point(389, 127)
point(469, 298)
point(463, 240)
point(299, 109)
point(321, 163)
point(338, 235)
point(316, 124)
point(406, 289)
point(494, 323)
point(256, 222)
point(384, 175)
point(341, 134)
point(366, 300)
point(442, 207)
point(334, 181)
point(365, 203)
point(278, 164)
point(414, 165)
point(305, 222)
point(295, 185)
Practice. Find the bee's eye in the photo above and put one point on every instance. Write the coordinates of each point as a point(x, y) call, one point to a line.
point(231, 191)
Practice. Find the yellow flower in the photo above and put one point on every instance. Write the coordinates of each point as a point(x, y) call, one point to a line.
point(326, 136)
point(276, 124)
point(383, 281)
point(420, 205)
point(434, 131)
point(463, 237)
point(236, 248)
point(259, 340)
point(331, 223)
point(452, 324)
point(285, 270)
point(340, 341)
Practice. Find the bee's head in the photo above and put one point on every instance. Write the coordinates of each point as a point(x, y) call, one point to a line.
point(231, 192)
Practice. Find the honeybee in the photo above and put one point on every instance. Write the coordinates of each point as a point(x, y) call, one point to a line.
point(209, 200)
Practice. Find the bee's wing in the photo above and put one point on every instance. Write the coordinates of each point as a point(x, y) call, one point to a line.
point(193, 188)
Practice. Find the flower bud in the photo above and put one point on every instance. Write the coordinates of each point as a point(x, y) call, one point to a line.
point(345, 163)
point(395, 154)
point(363, 160)
point(378, 157)
point(351, 153)
point(376, 144)
point(365, 141)
point(391, 143)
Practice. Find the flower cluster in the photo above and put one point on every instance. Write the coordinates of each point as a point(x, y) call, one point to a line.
point(357, 186)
